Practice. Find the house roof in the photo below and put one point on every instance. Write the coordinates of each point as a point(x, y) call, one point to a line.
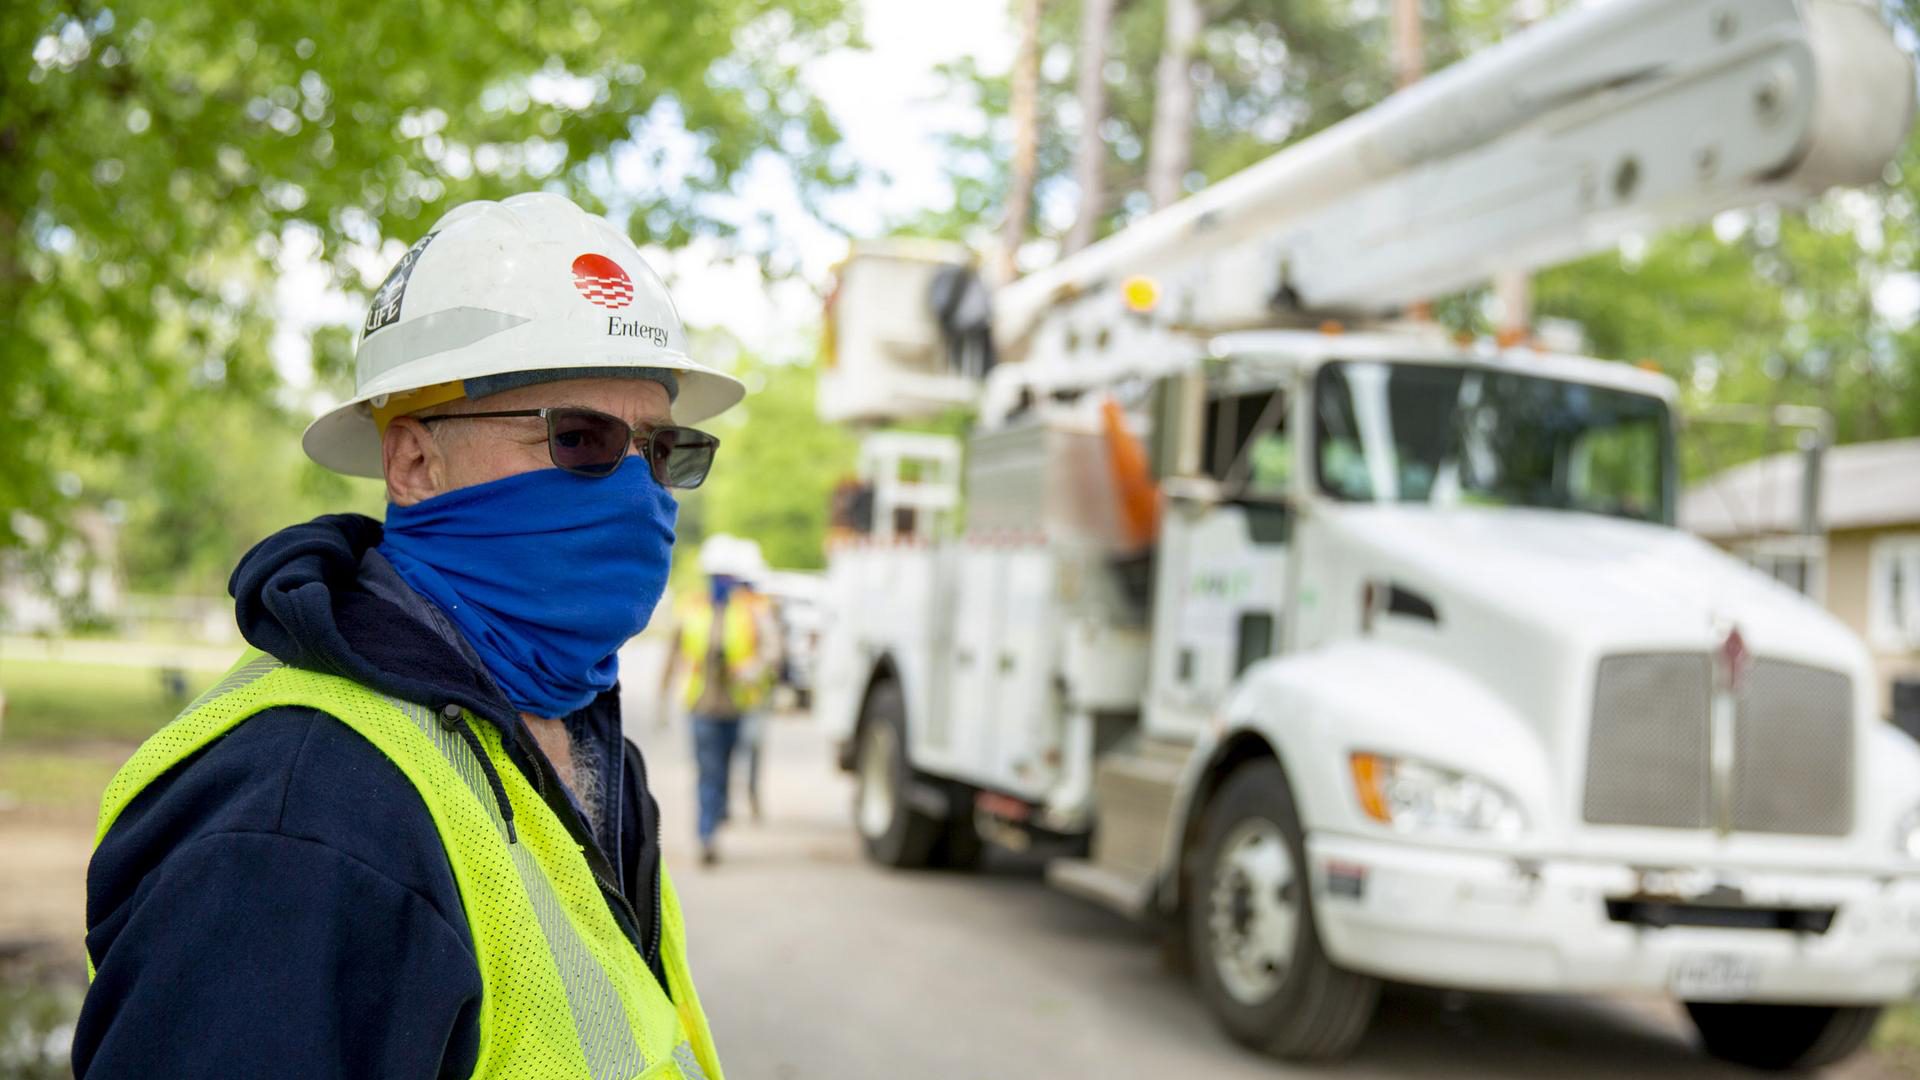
point(1861, 485)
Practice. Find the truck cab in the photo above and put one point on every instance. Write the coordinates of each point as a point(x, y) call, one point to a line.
point(1532, 737)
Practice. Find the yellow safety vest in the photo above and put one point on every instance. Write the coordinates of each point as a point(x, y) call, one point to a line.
point(739, 641)
point(564, 993)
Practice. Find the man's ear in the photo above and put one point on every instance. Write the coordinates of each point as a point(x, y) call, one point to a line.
point(416, 469)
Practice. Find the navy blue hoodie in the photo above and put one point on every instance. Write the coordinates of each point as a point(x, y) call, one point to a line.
point(280, 903)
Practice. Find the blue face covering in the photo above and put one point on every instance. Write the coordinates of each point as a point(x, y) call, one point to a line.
point(545, 573)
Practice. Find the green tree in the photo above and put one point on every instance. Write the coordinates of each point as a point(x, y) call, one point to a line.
point(159, 156)
point(232, 474)
point(774, 477)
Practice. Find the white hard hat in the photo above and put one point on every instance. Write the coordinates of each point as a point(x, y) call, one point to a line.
point(720, 554)
point(753, 564)
point(531, 284)
point(733, 556)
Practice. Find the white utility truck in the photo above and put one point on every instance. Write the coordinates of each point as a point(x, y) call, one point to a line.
point(1360, 655)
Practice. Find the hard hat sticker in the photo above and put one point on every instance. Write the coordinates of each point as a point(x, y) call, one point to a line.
point(385, 310)
point(601, 280)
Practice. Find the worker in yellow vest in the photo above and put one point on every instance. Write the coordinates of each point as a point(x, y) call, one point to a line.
point(404, 837)
point(726, 646)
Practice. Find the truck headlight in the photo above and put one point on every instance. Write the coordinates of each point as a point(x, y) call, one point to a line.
point(1906, 834)
point(1413, 796)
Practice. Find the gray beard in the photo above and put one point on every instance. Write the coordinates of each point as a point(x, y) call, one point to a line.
point(587, 784)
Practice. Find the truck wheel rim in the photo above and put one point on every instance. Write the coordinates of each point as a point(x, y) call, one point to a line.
point(1253, 911)
point(876, 781)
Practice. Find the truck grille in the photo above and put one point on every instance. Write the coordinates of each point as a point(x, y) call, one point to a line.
point(1793, 751)
point(1650, 753)
point(1647, 754)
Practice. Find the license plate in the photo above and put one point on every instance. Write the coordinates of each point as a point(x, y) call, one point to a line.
point(1713, 977)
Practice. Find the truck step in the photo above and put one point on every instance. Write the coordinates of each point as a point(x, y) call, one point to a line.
point(1134, 789)
point(1130, 896)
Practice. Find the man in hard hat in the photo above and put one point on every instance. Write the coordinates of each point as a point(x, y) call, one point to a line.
point(404, 837)
point(723, 645)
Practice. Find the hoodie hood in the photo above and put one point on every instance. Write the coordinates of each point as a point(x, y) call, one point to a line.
point(318, 596)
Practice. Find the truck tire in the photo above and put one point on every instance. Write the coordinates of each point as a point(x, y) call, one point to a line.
point(1781, 1037)
point(894, 832)
point(1254, 949)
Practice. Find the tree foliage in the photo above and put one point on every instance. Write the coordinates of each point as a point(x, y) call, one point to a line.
point(774, 476)
point(159, 157)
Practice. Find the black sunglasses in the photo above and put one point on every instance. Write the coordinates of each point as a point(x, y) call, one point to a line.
point(592, 443)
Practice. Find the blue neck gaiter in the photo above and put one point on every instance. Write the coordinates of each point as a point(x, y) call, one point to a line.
point(545, 573)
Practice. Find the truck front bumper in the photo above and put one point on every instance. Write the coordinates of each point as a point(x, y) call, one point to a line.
point(1493, 922)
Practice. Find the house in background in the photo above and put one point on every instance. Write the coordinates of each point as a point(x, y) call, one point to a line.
point(1863, 564)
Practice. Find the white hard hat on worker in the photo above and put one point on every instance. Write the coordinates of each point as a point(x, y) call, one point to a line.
point(500, 294)
point(546, 572)
point(726, 555)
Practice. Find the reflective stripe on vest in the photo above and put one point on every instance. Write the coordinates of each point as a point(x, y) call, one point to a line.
point(738, 642)
point(564, 994)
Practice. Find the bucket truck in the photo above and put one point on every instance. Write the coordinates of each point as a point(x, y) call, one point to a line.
point(1350, 653)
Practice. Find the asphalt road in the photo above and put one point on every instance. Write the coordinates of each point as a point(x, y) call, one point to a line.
point(813, 963)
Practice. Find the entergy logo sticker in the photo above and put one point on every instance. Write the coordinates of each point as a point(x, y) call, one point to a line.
point(601, 280)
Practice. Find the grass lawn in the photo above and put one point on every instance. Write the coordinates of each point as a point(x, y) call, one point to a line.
point(62, 701)
point(57, 777)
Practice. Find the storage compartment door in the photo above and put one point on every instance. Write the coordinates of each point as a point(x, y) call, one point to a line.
point(968, 741)
point(1027, 728)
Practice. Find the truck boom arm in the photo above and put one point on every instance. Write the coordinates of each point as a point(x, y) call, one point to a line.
point(1627, 116)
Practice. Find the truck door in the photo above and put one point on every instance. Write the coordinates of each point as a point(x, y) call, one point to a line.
point(1219, 588)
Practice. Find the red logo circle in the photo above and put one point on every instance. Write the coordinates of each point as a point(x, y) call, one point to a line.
point(601, 280)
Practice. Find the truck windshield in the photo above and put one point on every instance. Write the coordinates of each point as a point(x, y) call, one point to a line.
point(1398, 432)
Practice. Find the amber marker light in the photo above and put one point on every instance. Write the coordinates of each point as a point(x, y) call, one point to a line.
point(1370, 775)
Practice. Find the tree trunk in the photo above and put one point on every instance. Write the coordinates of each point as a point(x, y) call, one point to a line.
point(1090, 157)
point(1513, 306)
point(1170, 147)
point(1026, 139)
point(1409, 44)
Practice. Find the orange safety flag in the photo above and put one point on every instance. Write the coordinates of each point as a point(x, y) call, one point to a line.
point(1132, 477)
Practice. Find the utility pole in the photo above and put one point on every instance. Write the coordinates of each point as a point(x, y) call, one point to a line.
point(1025, 108)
